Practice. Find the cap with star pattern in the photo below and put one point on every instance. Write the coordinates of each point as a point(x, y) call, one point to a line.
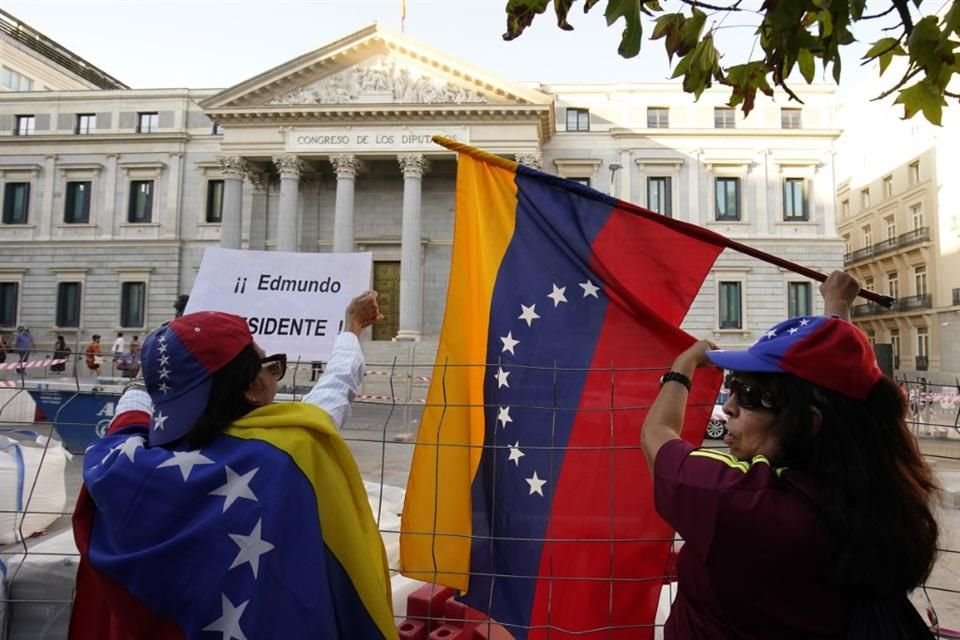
point(179, 360)
point(827, 351)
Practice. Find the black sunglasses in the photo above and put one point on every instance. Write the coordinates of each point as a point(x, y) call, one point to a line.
point(749, 396)
point(275, 364)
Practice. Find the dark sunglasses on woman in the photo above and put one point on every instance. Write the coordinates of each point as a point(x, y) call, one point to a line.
point(275, 364)
point(749, 396)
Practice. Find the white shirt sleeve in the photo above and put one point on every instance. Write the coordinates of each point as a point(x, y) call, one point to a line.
point(341, 379)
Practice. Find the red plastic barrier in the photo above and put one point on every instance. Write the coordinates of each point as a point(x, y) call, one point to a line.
point(451, 632)
point(428, 603)
point(412, 630)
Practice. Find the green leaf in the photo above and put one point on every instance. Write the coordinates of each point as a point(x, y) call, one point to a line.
point(520, 15)
point(880, 46)
point(807, 65)
point(923, 42)
point(562, 8)
point(923, 96)
point(826, 24)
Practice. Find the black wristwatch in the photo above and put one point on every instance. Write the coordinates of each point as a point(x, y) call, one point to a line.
point(675, 376)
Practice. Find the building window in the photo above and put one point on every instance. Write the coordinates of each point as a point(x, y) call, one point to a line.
point(77, 209)
point(214, 200)
point(133, 296)
point(867, 236)
point(584, 181)
point(24, 125)
point(141, 202)
point(868, 283)
point(658, 117)
point(16, 202)
point(916, 216)
point(913, 172)
point(845, 209)
point(68, 304)
point(895, 347)
point(578, 120)
point(923, 342)
point(727, 198)
point(799, 302)
point(872, 337)
point(731, 311)
point(659, 190)
point(9, 295)
point(888, 187)
point(86, 123)
point(891, 226)
point(847, 245)
point(724, 118)
point(148, 122)
point(217, 129)
point(795, 200)
point(865, 198)
point(893, 284)
point(789, 118)
point(15, 81)
point(920, 279)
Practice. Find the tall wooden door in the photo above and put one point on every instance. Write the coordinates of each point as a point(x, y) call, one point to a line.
point(386, 280)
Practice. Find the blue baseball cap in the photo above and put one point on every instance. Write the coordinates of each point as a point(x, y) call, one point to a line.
point(825, 350)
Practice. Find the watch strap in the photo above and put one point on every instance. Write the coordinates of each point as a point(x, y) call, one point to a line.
point(676, 376)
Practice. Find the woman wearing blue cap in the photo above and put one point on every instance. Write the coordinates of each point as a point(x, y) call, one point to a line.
point(209, 511)
point(820, 520)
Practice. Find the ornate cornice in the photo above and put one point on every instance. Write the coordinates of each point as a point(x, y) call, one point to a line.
point(346, 165)
point(532, 159)
point(234, 167)
point(289, 166)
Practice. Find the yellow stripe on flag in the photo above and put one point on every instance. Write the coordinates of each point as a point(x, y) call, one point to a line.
point(436, 524)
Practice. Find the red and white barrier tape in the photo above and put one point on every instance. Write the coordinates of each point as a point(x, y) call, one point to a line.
point(389, 399)
point(31, 364)
point(399, 375)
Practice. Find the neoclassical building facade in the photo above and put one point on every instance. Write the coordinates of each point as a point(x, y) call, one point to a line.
point(111, 195)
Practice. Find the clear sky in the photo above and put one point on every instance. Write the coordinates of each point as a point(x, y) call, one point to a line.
point(218, 43)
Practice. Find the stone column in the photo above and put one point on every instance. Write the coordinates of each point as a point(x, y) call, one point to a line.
point(413, 166)
point(531, 159)
point(289, 168)
point(346, 167)
point(234, 169)
point(258, 212)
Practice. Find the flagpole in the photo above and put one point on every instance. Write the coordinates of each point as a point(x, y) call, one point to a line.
point(678, 225)
point(403, 14)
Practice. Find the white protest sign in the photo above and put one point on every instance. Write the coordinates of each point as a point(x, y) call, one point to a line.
point(293, 302)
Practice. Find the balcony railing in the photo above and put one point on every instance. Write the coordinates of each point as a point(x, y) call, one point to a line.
point(896, 362)
point(922, 363)
point(890, 244)
point(909, 303)
point(956, 296)
point(870, 309)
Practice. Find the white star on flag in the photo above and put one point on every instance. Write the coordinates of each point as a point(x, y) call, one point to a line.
point(228, 623)
point(164, 373)
point(516, 454)
point(503, 416)
point(163, 339)
point(771, 334)
point(158, 421)
point(528, 313)
point(509, 343)
point(186, 460)
point(536, 484)
point(164, 360)
point(251, 548)
point(163, 387)
point(163, 347)
point(128, 447)
point(590, 289)
point(502, 378)
point(236, 487)
point(557, 296)
point(804, 322)
point(793, 330)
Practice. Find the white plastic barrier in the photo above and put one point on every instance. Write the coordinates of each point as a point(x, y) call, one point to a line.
point(32, 483)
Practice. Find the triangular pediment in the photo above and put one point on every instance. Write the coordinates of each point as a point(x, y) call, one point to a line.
point(374, 66)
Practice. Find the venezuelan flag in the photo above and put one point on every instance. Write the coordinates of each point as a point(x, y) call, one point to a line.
point(264, 533)
point(528, 489)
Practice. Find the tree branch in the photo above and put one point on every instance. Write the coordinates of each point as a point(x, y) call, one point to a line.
point(904, 10)
point(887, 50)
point(703, 5)
point(879, 15)
point(909, 75)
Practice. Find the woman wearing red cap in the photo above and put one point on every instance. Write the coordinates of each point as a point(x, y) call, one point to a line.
point(820, 520)
point(209, 511)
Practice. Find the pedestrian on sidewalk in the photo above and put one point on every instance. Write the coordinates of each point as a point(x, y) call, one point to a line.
point(116, 352)
point(24, 344)
point(93, 354)
point(60, 352)
point(209, 509)
point(820, 520)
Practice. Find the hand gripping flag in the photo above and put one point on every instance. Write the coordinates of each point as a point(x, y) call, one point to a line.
point(528, 489)
point(264, 533)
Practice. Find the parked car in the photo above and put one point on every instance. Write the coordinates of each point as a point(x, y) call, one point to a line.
point(717, 427)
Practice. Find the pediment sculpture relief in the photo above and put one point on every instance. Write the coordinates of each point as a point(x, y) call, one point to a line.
point(383, 80)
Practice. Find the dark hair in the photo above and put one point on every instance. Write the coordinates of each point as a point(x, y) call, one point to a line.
point(226, 401)
point(875, 490)
point(180, 304)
